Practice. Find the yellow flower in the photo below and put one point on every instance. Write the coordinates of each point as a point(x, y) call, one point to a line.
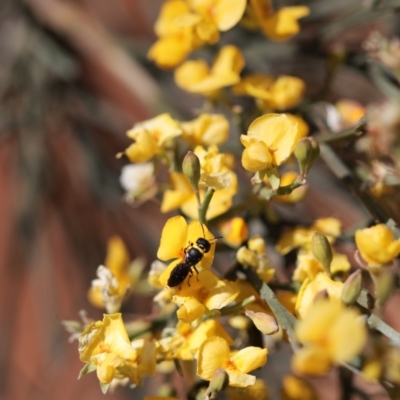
point(206, 130)
point(216, 168)
point(234, 231)
point(307, 266)
point(302, 125)
point(208, 292)
point(151, 136)
point(325, 335)
point(283, 93)
point(196, 337)
point(322, 283)
point(106, 345)
point(216, 173)
point(377, 245)
point(113, 281)
point(214, 353)
point(269, 142)
point(254, 255)
point(224, 13)
point(181, 191)
point(294, 388)
point(176, 40)
point(350, 112)
point(189, 339)
point(301, 236)
point(258, 391)
point(176, 236)
point(184, 26)
point(196, 77)
point(279, 25)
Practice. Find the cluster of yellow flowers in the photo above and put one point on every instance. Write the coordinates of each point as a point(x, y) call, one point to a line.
point(316, 310)
point(184, 25)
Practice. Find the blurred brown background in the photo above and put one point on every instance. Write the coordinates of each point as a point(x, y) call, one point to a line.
point(69, 91)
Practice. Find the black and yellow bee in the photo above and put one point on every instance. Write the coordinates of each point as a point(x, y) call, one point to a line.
point(193, 255)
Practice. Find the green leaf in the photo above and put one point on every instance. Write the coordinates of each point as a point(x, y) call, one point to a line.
point(104, 387)
point(273, 177)
point(89, 367)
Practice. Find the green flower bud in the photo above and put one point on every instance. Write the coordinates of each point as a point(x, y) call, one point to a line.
point(384, 282)
point(192, 170)
point(321, 250)
point(306, 153)
point(265, 323)
point(352, 288)
point(218, 382)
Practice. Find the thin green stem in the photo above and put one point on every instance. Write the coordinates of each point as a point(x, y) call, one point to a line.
point(205, 204)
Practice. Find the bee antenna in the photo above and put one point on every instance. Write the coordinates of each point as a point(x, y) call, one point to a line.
point(216, 238)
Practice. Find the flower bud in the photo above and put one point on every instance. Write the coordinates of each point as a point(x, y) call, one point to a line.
point(321, 250)
point(263, 322)
point(352, 288)
point(192, 170)
point(247, 257)
point(218, 382)
point(306, 153)
point(384, 285)
point(234, 231)
point(257, 244)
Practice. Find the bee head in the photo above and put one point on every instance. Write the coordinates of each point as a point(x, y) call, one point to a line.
point(203, 244)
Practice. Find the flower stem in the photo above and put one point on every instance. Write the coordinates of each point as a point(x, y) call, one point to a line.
point(205, 204)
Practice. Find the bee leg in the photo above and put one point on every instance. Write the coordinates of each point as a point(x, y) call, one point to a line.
point(190, 275)
point(197, 272)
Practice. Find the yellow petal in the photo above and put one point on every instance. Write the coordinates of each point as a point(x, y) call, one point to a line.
point(234, 231)
point(284, 23)
point(190, 73)
point(191, 310)
point(217, 293)
point(343, 346)
point(311, 361)
point(181, 191)
point(166, 21)
point(294, 388)
point(213, 354)
point(256, 157)
point(318, 321)
point(207, 129)
point(170, 51)
point(237, 379)
point(376, 244)
point(173, 239)
point(287, 92)
point(302, 125)
point(229, 59)
point(117, 256)
point(278, 132)
point(310, 289)
point(250, 358)
point(228, 14)
point(143, 149)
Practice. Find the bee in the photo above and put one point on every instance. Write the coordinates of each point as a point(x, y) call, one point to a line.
point(193, 255)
